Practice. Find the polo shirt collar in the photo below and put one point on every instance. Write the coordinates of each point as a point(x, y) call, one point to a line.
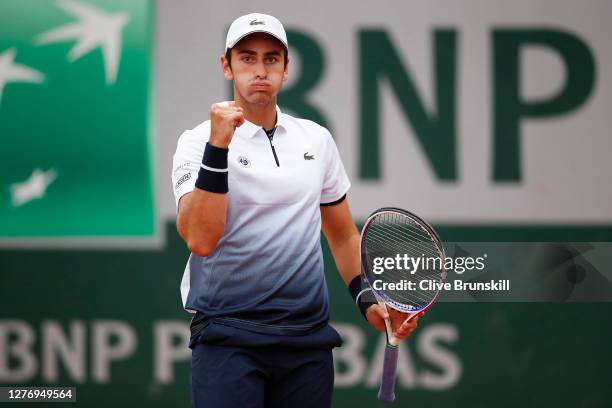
point(249, 129)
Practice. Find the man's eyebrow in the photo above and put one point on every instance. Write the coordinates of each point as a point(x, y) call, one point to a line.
point(251, 52)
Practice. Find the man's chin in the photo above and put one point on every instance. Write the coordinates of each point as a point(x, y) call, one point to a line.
point(261, 99)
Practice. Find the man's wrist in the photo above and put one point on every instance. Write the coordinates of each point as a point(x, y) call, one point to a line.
point(362, 295)
point(213, 171)
point(218, 144)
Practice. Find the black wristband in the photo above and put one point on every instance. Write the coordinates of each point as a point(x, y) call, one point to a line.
point(362, 295)
point(213, 172)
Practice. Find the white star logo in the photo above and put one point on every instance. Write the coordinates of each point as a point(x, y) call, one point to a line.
point(32, 188)
point(94, 28)
point(11, 72)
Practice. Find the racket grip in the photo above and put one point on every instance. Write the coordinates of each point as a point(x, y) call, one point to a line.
point(386, 393)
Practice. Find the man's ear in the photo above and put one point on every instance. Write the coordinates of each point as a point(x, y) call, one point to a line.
point(286, 73)
point(226, 68)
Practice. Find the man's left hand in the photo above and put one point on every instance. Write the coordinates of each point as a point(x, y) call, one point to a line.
point(376, 316)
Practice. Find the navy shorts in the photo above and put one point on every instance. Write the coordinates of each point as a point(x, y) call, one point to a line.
point(270, 377)
point(231, 367)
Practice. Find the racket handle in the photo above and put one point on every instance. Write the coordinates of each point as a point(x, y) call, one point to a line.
point(386, 393)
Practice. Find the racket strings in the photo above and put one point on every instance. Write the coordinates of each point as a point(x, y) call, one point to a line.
point(426, 250)
point(390, 234)
point(417, 296)
point(397, 246)
point(412, 231)
point(391, 248)
point(398, 240)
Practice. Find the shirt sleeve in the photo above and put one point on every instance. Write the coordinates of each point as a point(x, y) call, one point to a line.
point(336, 183)
point(186, 163)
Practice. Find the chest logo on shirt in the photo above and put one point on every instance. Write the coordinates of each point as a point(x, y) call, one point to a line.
point(308, 156)
point(244, 161)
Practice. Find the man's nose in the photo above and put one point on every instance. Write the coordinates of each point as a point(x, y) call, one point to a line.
point(260, 70)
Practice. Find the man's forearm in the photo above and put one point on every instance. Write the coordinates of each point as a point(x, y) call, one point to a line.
point(201, 220)
point(202, 213)
point(346, 257)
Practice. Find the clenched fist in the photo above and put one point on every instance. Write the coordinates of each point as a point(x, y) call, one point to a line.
point(225, 117)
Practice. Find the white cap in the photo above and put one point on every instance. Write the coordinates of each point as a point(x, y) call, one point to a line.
point(255, 23)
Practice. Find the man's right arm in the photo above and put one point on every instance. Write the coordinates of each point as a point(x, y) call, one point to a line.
point(201, 220)
point(203, 211)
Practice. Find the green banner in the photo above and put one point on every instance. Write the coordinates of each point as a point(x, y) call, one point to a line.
point(75, 97)
point(111, 324)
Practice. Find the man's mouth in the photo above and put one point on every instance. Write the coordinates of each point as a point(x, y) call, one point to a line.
point(260, 85)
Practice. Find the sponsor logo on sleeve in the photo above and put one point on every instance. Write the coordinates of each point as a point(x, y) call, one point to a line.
point(182, 180)
point(186, 166)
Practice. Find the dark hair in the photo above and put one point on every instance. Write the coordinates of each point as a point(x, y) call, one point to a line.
point(228, 56)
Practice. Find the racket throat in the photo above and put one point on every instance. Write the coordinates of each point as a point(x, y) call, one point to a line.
point(392, 341)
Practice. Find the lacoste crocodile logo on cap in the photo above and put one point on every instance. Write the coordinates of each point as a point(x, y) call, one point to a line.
point(257, 22)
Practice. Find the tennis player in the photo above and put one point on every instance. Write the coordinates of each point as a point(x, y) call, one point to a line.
point(254, 187)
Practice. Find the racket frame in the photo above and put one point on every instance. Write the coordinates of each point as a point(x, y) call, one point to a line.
point(380, 298)
point(386, 392)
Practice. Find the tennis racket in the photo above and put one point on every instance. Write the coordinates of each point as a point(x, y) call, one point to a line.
point(387, 233)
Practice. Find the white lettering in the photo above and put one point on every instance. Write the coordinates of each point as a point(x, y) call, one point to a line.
point(350, 355)
point(105, 351)
point(20, 348)
point(378, 269)
point(447, 362)
point(71, 351)
point(171, 345)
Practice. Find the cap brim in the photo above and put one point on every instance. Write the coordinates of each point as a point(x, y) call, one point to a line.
point(230, 46)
